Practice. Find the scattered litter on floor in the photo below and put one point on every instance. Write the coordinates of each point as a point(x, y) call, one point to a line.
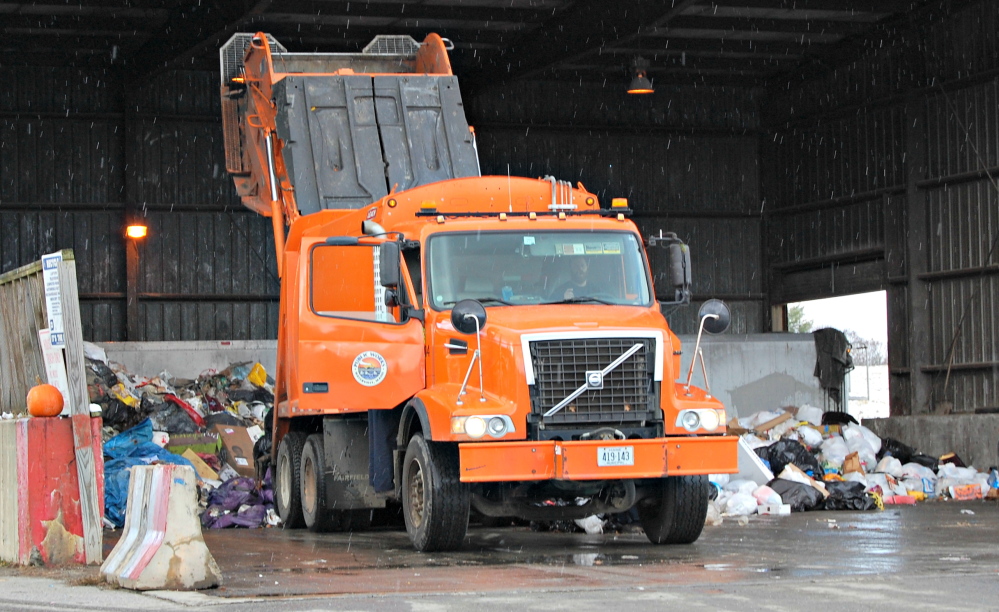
point(828, 461)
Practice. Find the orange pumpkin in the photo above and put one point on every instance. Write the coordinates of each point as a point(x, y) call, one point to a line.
point(45, 401)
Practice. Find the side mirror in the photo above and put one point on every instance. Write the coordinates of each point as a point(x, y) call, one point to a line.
point(716, 316)
point(388, 264)
point(464, 316)
point(679, 266)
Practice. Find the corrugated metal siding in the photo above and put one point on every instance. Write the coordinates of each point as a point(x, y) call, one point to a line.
point(964, 44)
point(539, 103)
point(59, 160)
point(834, 158)
point(43, 89)
point(963, 220)
point(179, 162)
point(963, 130)
point(839, 230)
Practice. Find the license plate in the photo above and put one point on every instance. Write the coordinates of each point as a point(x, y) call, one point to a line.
point(609, 456)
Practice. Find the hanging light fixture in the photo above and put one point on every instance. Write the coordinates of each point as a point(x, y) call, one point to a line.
point(640, 84)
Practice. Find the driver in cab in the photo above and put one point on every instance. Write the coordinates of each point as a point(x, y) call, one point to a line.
point(579, 269)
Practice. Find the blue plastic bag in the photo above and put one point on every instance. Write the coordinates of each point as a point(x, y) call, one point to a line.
point(132, 447)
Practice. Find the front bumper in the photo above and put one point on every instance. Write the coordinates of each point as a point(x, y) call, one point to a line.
point(577, 460)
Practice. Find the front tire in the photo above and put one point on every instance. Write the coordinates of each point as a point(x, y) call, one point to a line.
point(287, 479)
point(676, 513)
point(435, 502)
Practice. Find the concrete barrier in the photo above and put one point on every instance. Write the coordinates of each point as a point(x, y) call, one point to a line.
point(41, 519)
point(161, 546)
point(974, 437)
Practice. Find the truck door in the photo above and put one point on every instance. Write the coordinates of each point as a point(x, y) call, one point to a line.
point(355, 352)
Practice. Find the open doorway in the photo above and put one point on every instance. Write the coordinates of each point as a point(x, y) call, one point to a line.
point(863, 318)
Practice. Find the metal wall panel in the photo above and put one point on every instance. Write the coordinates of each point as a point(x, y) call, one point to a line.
point(963, 222)
point(178, 162)
point(656, 172)
point(44, 89)
point(51, 160)
point(208, 320)
point(963, 130)
point(539, 103)
point(964, 44)
point(208, 253)
point(836, 230)
point(834, 158)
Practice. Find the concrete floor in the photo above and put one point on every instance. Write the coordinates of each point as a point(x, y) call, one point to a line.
point(931, 555)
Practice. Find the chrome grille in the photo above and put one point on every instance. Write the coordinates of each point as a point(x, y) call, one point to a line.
point(560, 368)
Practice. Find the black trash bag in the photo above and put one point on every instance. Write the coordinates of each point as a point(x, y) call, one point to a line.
point(782, 452)
point(801, 497)
point(925, 460)
point(848, 495)
point(838, 418)
point(172, 419)
point(262, 454)
point(223, 418)
point(890, 447)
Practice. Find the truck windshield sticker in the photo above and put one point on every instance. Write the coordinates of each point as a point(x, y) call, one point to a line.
point(528, 240)
point(369, 368)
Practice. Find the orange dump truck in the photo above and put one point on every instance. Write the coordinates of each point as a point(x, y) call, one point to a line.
point(450, 341)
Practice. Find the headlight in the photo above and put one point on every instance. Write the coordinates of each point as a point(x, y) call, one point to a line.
point(496, 425)
point(707, 419)
point(475, 427)
point(690, 420)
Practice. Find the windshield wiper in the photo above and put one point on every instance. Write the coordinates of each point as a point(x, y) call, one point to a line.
point(582, 300)
point(483, 300)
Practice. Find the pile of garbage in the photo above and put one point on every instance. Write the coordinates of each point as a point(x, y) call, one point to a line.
point(800, 459)
point(218, 424)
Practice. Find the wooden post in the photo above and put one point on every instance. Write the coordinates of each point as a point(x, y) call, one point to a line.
point(80, 411)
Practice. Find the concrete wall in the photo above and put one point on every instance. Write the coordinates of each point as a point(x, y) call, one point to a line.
point(190, 359)
point(974, 437)
point(754, 372)
point(748, 373)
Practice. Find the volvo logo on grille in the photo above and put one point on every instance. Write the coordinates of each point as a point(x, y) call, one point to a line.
point(594, 379)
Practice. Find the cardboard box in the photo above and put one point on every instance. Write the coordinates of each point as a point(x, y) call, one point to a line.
point(207, 443)
point(774, 422)
point(202, 468)
point(237, 449)
point(734, 428)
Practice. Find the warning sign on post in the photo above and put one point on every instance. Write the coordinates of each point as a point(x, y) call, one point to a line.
point(53, 302)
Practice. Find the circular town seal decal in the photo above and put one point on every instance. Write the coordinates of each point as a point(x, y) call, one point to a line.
point(369, 368)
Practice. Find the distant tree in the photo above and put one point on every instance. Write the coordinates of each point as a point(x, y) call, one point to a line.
point(866, 351)
point(796, 321)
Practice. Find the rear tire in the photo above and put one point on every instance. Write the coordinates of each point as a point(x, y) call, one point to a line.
point(287, 479)
point(318, 517)
point(676, 513)
point(435, 502)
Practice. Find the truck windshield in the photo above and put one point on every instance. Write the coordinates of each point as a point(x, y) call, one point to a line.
point(545, 267)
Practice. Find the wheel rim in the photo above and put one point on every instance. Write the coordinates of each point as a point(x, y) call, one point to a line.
point(284, 480)
point(309, 486)
point(416, 489)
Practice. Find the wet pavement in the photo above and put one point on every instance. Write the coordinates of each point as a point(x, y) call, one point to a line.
point(928, 539)
point(933, 555)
